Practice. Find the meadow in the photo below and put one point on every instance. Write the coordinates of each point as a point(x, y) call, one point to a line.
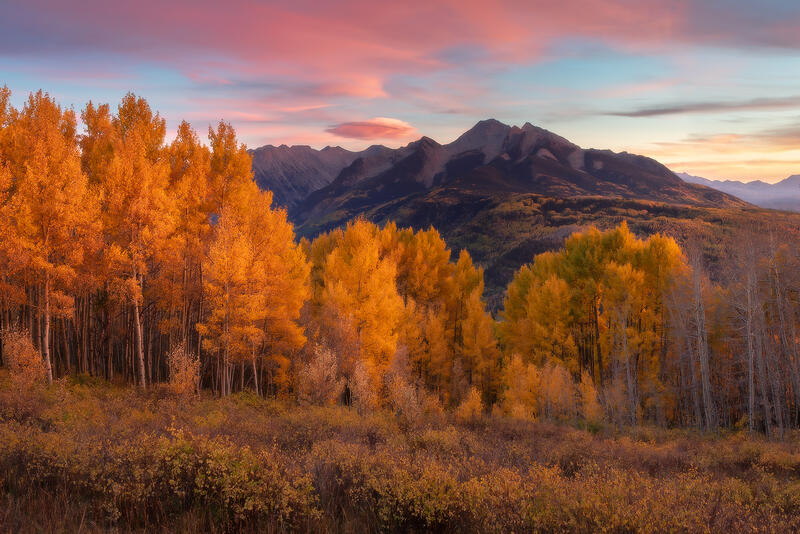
point(84, 455)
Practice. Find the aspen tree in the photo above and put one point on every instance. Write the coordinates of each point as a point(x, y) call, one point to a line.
point(54, 209)
point(138, 214)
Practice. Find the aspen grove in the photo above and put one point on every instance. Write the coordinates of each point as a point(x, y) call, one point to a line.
point(142, 261)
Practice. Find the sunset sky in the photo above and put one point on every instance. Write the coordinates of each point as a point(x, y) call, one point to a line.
point(710, 87)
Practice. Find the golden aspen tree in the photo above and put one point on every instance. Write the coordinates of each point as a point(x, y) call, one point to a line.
point(230, 176)
point(423, 264)
point(521, 383)
point(98, 143)
point(557, 395)
point(437, 360)
point(256, 277)
point(361, 284)
point(468, 324)
point(137, 211)
point(228, 330)
point(10, 293)
point(622, 301)
point(178, 286)
point(54, 209)
point(479, 353)
point(539, 327)
point(280, 273)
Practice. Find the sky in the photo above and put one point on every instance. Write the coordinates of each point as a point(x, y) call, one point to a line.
point(709, 87)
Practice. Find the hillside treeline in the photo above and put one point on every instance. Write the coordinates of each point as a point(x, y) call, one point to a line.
point(126, 257)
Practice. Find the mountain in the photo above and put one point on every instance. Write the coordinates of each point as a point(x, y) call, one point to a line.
point(506, 193)
point(494, 158)
point(292, 172)
point(784, 195)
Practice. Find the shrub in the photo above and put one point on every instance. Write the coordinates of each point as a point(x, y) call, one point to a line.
point(24, 362)
point(184, 370)
point(522, 383)
point(471, 407)
point(590, 406)
point(404, 400)
point(318, 382)
point(363, 390)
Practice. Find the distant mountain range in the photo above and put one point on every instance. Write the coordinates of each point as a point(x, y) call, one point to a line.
point(504, 193)
point(491, 155)
point(784, 195)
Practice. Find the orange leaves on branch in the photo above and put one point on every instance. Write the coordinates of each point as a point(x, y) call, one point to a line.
point(184, 371)
point(23, 361)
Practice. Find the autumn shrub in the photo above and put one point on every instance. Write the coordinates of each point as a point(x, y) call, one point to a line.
point(115, 459)
point(318, 381)
point(471, 408)
point(363, 388)
point(184, 371)
point(521, 382)
point(590, 407)
point(150, 479)
point(404, 400)
point(23, 361)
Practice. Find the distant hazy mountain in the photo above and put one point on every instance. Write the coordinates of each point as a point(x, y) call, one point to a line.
point(784, 195)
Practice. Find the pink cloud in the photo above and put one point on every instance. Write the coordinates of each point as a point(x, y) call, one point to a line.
point(377, 128)
point(345, 48)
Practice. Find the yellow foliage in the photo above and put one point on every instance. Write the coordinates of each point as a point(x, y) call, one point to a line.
point(556, 392)
point(360, 284)
point(591, 410)
point(471, 407)
point(522, 381)
point(184, 371)
point(318, 381)
point(23, 361)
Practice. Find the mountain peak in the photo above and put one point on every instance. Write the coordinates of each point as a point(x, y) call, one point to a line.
point(486, 136)
point(489, 123)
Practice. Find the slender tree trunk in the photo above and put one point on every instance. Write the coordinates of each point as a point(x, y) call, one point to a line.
point(46, 331)
point(137, 323)
point(702, 350)
point(255, 374)
point(751, 394)
point(629, 378)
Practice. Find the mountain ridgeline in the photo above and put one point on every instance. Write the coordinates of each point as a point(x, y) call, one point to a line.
point(490, 156)
point(783, 195)
point(504, 193)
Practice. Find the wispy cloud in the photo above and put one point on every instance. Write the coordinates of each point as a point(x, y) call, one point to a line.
point(377, 128)
point(755, 104)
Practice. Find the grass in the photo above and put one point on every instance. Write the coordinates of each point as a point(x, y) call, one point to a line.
point(92, 457)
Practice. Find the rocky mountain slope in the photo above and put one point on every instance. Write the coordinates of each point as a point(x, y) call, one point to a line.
point(497, 159)
point(292, 172)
